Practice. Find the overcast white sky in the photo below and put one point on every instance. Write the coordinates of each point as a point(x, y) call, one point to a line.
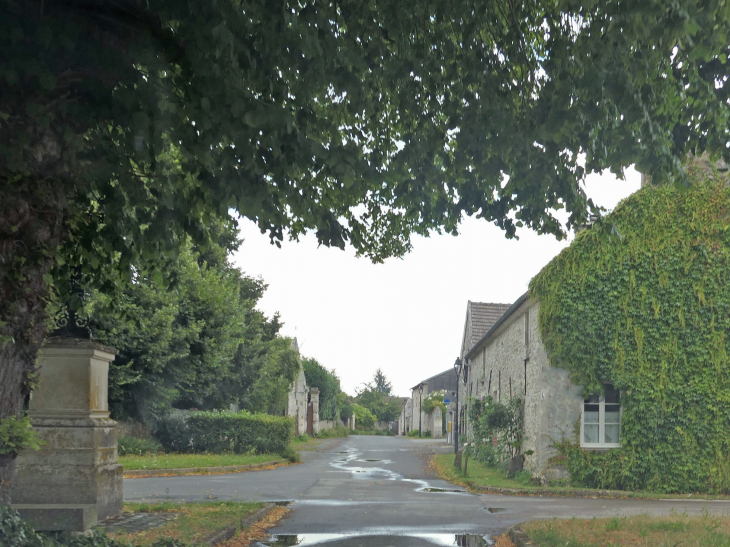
point(405, 316)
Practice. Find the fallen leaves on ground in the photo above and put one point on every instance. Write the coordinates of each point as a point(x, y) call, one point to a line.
point(503, 541)
point(256, 531)
point(201, 472)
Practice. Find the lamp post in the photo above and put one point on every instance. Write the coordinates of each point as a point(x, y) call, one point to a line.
point(459, 367)
point(420, 411)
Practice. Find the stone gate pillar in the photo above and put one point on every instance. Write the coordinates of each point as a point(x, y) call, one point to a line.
point(74, 480)
point(314, 398)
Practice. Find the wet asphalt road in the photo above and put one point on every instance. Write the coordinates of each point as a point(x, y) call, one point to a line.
point(378, 491)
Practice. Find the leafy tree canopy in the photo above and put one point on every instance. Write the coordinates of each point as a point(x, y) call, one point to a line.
point(363, 417)
point(328, 384)
point(126, 125)
point(204, 345)
point(384, 407)
point(380, 383)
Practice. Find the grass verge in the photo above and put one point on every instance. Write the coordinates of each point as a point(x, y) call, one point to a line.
point(194, 522)
point(643, 531)
point(184, 461)
point(478, 474)
point(480, 478)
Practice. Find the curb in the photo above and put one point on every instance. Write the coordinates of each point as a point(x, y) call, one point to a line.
point(582, 493)
point(520, 538)
point(198, 470)
point(230, 531)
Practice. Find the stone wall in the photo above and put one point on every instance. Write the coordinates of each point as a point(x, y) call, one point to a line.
point(516, 360)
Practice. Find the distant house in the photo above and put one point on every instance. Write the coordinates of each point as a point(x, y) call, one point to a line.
point(509, 360)
point(480, 317)
point(409, 418)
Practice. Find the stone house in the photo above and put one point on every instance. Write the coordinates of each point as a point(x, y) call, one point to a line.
point(480, 316)
point(432, 423)
point(509, 360)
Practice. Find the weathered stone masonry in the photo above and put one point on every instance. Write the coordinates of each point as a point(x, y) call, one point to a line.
point(511, 352)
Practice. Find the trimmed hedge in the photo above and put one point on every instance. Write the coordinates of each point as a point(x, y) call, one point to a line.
point(216, 432)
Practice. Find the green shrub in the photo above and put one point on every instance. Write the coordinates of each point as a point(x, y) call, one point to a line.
point(303, 438)
point(290, 454)
point(363, 417)
point(217, 432)
point(173, 433)
point(413, 433)
point(337, 431)
point(138, 447)
point(15, 532)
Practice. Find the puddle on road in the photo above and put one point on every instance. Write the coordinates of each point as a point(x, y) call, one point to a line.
point(303, 540)
point(495, 509)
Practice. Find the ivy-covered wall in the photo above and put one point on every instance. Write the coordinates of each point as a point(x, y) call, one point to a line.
point(642, 300)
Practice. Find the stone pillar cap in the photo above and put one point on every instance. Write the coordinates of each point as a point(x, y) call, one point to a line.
point(76, 343)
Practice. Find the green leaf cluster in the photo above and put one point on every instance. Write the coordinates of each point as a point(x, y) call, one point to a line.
point(201, 345)
point(363, 417)
point(217, 432)
point(642, 300)
point(434, 400)
point(384, 407)
point(497, 429)
point(329, 387)
point(15, 532)
point(17, 434)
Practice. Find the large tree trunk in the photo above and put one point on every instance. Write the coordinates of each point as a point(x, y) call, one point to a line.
point(31, 229)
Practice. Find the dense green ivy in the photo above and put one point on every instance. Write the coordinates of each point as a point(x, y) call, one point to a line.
point(642, 300)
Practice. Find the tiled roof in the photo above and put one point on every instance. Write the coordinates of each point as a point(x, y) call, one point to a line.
point(483, 316)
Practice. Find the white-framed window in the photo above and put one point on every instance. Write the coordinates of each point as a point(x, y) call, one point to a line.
point(600, 424)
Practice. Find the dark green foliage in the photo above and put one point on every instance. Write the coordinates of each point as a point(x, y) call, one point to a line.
point(174, 346)
point(364, 419)
point(337, 431)
point(383, 407)
point(290, 454)
point(204, 345)
point(218, 432)
point(137, 446)
point(380, 383)
point(15, 532)
point(344, 405)
point(490, 420)
point(642, 300)
point(172, 431)
point(328, 384)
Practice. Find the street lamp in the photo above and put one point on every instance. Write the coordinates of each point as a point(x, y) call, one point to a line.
point(420, 411)
point(457, 370)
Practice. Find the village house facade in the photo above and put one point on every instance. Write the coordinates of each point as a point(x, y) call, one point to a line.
point(412, 415)
point(509, 360)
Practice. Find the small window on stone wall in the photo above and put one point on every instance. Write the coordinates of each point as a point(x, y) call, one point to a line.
point(600, 425)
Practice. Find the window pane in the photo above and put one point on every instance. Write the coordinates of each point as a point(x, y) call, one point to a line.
point(590, 433)
point(592, 399)
point(590, 414)
point(613, 414)
point(612, 433)
point(612, 395)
